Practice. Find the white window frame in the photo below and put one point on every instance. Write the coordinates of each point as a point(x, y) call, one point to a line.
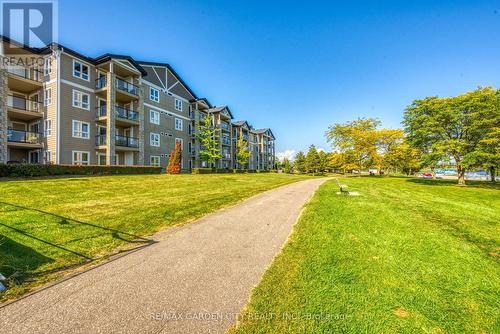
point(47, 97)
point(153, 141)
point(156, 118)
point(156, 96)
point(80, 75)
point(178, 104)
point(178, 121)
point(47, 127)
point(181, 141)
point(47, 66)
point(79, 133)
point(78, 103)
point(79, 160)
point(47, 156)
point(155, 164)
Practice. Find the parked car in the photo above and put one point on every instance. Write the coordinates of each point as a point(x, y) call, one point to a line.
point(426, 175)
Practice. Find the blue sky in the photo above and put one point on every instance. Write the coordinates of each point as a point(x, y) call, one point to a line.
point(299, 66)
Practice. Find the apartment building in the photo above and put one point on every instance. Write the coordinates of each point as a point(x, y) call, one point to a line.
point(74, 109)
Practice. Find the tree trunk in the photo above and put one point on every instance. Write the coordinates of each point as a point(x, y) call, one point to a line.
point(492, 174)
point(461, 175)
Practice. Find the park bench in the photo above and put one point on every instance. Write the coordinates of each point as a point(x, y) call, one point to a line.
point(342, 187)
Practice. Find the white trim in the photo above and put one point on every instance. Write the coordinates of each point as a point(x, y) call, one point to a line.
point(47, 101)
point(154, 156)
point(166, 111)
point(175, 104)
point(73, 157)
point(151, 142)
point(81, 102)
point(144, 81)
point(90, 90)
point(175, 84)
point(151, 89)
point(164, 86)
point(181, 125)
point(182, 142)
point(80, 130)
point(80, 60)
point(81, 71)
point(157, 113)
point(120, 62)
point(45, 127)
point(58, 109)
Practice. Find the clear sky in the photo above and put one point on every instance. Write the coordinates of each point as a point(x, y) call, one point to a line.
point(299, 66)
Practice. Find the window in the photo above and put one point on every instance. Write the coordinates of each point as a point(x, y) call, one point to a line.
point(178, 124)
point(178, 104)
point(81, 130)
point(47, 127)
point(81, 158)
point(80, 70)
point(179, 140)
point(47, 156)
point(154, 139)
point(47, 66)
point(47, 97)
point(154, 117)
point(81, 100)
point(154, 94)
point(154, 160)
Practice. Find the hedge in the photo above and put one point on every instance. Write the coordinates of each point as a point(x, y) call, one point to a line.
point(224, 170)
point(25, 170)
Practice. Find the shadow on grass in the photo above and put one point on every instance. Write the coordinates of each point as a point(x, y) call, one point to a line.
point(20, 262)
point(444, 183)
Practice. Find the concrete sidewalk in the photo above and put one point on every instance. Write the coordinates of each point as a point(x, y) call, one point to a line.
point(196, 279)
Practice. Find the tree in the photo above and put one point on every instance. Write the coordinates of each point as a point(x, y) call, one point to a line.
point(452, 127)
point(402, 157)
point(323, 161)
point(287, 167)
point(312, 162)
point(300, 162)
point(174, 163)
point(208, 135)
point(357, 139)
point(242, 152)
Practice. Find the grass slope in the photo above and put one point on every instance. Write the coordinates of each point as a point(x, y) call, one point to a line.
point(54, 224)
point(407, 256)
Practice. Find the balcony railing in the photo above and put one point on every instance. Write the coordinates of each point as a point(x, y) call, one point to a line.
point(124, 113)
point(126, 86)
point(101, 82)
point(119, 141)
point(126, 141)
point(120, 112)
point(27, 73)
point(23, 104)
point(226, 141)
point(224, 126)
point(28, 137)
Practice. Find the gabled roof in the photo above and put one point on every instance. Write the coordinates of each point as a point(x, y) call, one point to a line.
point(171, 69)
point(242, 123)
point(219, 109)
point(265, 131)
point(204, 99)
point(108, 56)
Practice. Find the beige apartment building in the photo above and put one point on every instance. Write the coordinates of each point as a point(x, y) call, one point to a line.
point(74, 109)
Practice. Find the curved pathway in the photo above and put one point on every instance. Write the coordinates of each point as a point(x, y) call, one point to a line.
point(195, 279)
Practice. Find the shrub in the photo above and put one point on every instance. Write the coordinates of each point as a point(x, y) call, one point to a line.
point(30, 170)
point(174, 163)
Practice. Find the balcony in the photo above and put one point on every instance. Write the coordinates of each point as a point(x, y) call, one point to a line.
point(125, 91)
point(122, 143)
point(25, 80)
point(226, 141)
point(224, 126)
point(27, 139)
point(123, 116)
point(23, 109)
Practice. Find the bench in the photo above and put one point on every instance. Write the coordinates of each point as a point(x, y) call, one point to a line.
point(342, 187)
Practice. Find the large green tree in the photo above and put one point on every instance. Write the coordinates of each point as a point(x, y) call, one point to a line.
point(242, 152)
point(209, 135)
point(452, 127)
point(312, 162)
point(299, 164)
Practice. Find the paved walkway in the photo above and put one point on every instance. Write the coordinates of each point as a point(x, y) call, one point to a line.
point(196, 279)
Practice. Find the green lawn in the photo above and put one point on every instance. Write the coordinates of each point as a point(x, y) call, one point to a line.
point(407, 256)
point(52, 225)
